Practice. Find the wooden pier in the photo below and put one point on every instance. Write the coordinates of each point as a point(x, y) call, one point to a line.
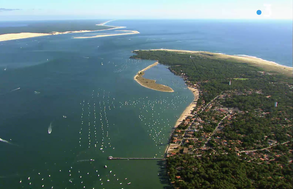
point(133, 158)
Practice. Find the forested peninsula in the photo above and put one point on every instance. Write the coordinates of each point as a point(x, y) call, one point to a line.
point(240, 132)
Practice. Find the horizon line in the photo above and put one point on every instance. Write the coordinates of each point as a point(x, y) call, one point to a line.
point(113, 19)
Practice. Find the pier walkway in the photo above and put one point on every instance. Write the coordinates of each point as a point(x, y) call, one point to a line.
point(133, 158)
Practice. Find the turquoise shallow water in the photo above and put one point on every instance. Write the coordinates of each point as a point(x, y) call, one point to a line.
point(83, 89)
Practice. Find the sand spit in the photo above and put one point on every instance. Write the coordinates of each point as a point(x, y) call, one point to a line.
point(128, 32)
point(254, 61)
point(24, 35)
point(149, 83)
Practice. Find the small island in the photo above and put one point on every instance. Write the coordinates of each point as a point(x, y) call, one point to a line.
point(149, 83)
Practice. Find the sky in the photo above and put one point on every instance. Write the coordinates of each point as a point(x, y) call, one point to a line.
point(144, 9)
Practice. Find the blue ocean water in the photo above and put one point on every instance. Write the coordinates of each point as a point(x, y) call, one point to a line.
point(67, 104)
point(266, 39)
point(4, 25)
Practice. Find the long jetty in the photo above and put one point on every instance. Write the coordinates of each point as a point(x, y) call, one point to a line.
point(133, 158)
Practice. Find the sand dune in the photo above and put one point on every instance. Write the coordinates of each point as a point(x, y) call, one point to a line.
point(14, 36)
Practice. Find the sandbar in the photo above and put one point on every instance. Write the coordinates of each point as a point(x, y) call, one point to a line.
point(24, 35)
point(254, 61)
point(129, 32)
point(149, 83)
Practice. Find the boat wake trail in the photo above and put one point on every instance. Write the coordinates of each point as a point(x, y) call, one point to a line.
point(5, 141)
point(84, 160)
point(50, 128)
point(15, 89)
point(5, 93)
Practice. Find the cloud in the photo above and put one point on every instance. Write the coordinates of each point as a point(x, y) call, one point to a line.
point(5, 10)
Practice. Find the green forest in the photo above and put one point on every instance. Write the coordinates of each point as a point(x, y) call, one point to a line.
point(227, 171)
point(213, 77)
point(259, 126)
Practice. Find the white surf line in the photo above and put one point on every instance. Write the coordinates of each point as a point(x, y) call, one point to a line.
point(102, 24)
point(131, 32)
point(50, 128)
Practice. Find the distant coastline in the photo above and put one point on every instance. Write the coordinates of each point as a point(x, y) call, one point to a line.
point(25, 35)
point(254, 61)
point(149, 83)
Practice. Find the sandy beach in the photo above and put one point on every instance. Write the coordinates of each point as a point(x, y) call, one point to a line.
point(148, 67)
point(257, 62)
point(183, 116)
point(130, 32)
point(151, 83)
point(189, 108)
point(15, 36)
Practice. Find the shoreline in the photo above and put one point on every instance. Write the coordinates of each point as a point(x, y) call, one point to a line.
point(189, 108)
point(187, 112)
point(26, 35)
point(254, 61)
point(257, 62)
point(141, 73)
point(23, 35)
